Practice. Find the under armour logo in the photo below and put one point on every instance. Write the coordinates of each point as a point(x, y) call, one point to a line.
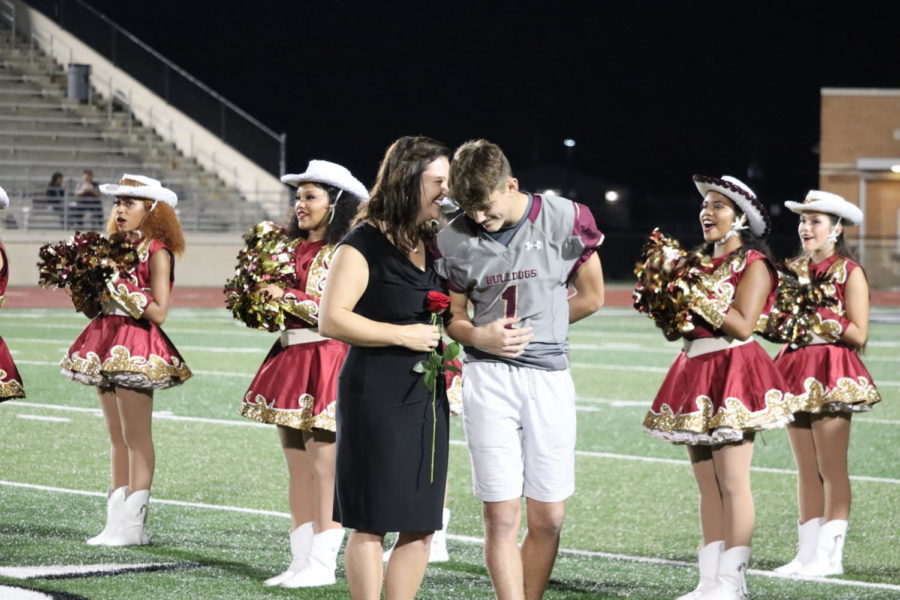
point(534, 245)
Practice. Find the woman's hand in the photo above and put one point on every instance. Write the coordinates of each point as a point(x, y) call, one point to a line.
point(272, 289)
point(419, 337)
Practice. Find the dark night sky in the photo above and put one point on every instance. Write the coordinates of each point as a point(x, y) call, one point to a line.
point(651, 91)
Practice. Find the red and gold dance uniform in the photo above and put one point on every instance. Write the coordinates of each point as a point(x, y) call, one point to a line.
point(117, 349)
point(296, 386)
point(10, 380)
point(827, 376)
point(720, 387)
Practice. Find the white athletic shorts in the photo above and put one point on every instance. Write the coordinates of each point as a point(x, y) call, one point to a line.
point(520, 428)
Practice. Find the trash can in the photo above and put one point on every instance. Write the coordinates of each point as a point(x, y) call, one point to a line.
point(79, 87)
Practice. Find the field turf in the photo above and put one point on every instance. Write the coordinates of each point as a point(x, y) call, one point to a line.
point(218, 515)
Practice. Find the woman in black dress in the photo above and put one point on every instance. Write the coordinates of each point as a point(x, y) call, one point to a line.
point(387, 434)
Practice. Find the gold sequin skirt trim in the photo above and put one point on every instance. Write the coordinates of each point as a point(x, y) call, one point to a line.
point(10, 389)
point(121, 368)
point(258, 409)
point(849, 395)
point(455, 396)
point(729, 423)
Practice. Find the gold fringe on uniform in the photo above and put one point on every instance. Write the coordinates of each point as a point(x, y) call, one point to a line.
point(704, 426)
point(849, 395)
point(122, 368)
point(259, 409)
point(10, 389)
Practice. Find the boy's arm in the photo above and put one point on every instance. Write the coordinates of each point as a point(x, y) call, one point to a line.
point(589, 289)
point(497, 337)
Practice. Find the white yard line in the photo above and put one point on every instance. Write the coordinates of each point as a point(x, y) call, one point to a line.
point(59, 490)
point(859, 419)
point(465, 538)
point(604, 455)
point(606, 367)
point(164, 415)
point(248, 376)
point(44, 418)
point(574, 365)
point(617, 334)
point(213, 349)
point(625, 347)
point(673, 350)
point(244, 332)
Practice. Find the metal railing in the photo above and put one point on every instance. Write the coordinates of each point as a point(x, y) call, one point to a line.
point(8, 15)
point(50, 43)
point(173, 84)
point(62, 210)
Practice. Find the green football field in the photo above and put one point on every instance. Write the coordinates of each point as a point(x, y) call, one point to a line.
point(218, 517)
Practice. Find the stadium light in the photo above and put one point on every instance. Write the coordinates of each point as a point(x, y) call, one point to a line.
point(611, 195)
point(551, 192)
point(569, 143)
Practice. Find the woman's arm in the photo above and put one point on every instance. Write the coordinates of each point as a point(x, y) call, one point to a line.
point(749, 300)
point(160, 287)
point(348, 278)
point(856, 302)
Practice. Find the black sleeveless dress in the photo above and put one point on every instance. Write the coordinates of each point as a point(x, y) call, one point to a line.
point(384, 411)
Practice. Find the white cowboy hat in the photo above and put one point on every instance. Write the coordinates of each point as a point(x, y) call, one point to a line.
point(826, 202)
point(329, 173)
point(4, 199)
point(138, 186)
point(740, 193)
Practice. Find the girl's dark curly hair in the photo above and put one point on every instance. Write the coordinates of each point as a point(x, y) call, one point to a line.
point(345, 208)
point(749, 240)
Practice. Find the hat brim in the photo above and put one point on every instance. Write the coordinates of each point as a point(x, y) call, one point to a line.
point(756, 215)
point(355, 188)
point(845, 210)
point(144, 192)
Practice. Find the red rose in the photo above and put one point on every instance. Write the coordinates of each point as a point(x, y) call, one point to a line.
point(437, 302)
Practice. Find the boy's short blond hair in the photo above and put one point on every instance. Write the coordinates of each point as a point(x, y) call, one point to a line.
point(479, 167)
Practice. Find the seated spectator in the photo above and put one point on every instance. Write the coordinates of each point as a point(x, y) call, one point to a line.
point(88, 207)
point(48, 208)
point(55, 189)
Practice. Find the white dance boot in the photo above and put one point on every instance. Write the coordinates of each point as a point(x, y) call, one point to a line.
point(438, 552)
point(301, 541)
point(829, 558)
point(130, 522)
point(807, 541)
point(708, 562)
point(321, 563)
point(731, 583)
point(114, 500)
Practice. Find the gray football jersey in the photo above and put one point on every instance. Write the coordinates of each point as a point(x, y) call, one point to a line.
point(527, 278)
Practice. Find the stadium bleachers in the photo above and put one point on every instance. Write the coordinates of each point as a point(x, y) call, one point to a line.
point(43, 132)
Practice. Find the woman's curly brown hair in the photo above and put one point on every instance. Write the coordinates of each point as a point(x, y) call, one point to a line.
point(161, 224)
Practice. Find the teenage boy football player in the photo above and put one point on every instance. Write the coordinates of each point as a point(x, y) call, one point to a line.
point(515, 256)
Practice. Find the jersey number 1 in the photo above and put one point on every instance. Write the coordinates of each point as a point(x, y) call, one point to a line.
point(509, 298)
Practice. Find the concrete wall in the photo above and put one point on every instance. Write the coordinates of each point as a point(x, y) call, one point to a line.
point(208, 259)
point(254, 182)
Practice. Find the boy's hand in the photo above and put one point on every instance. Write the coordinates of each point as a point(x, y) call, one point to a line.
point(502, 339)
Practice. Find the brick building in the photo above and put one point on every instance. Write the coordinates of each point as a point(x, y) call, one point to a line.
point(860, 160)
